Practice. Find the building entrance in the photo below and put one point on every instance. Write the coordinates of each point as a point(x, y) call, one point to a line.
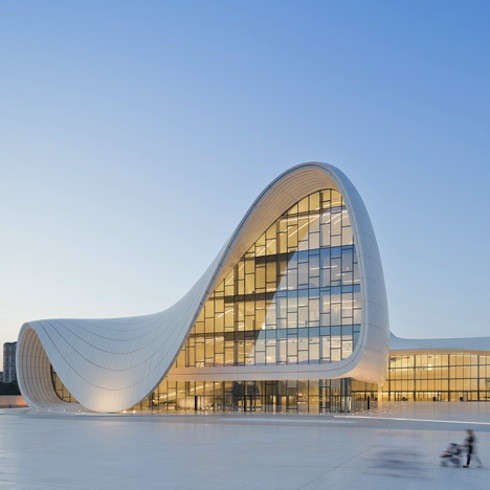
point(293, 396)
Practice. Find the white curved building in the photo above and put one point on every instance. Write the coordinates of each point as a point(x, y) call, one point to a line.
point(291, 315)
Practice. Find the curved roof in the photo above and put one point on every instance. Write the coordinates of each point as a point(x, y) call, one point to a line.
point(477, 344)
point(110, 364)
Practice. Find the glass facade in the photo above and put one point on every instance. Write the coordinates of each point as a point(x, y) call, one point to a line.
point(60, 388)
point(300, 396)
point(462, 376)
point(293, 298)
point(297, 396)
point(446, 376)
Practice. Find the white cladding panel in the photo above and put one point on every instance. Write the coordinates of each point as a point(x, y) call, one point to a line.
point(109, 365)
point(468, 344)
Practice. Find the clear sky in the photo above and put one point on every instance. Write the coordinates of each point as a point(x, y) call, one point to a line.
point(135, 135)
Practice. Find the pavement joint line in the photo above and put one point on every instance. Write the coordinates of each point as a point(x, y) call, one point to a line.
point(400, 419)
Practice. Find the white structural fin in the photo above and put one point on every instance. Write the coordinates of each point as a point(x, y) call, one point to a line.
point(109, 365)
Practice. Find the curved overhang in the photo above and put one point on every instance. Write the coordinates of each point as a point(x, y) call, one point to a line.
point(476, 345)
point(109, 365)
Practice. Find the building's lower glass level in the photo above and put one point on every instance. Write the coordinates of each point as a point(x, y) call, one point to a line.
point(299, 396)
point(322, 396)
point(461, 376)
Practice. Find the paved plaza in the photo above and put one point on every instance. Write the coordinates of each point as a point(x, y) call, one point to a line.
point(396, 447)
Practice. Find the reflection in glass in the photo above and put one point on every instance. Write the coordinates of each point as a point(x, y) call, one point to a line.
point(300, 274)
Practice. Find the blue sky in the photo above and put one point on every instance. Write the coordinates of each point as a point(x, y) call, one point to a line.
point(134, 136)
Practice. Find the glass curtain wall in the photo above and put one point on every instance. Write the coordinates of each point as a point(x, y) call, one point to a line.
point(293, 298)
point(297, 396)
point(60, 388)
point(438, 377)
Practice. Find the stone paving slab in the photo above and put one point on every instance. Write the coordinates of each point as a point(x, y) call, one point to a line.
point(237, 451)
